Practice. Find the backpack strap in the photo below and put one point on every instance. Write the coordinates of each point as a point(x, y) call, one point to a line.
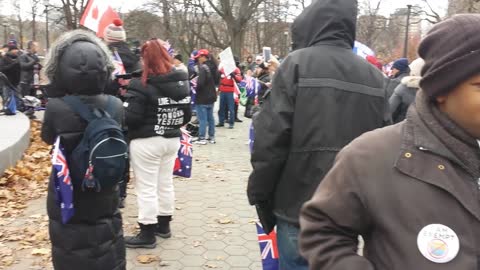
point(79, 107)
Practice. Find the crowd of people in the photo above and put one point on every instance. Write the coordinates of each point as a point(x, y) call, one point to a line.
point(156, 91)
point(329, 166)
point(341, 149)
point(21, 70)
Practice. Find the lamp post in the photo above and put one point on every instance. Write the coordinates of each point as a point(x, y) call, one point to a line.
point(405, 46)
point(286, 42)
point(46, 3)
point(5, 32)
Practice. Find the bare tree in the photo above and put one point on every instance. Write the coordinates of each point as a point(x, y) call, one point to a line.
point(142, 25)
point(370, 24)
point(18, 10)
point(34, 7)
point(426, 13)
point(236, 15)
point(73, 11)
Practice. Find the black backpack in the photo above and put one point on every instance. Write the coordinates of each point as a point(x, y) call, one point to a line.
point(99, 160)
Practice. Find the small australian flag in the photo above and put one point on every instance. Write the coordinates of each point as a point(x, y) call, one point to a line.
point(183, 163)
point(268, 248)
point(63, 182)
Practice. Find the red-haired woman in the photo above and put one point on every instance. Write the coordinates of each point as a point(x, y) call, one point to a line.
point(157, 105)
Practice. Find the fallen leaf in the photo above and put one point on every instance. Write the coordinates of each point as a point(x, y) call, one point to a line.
point(163, 264)
point(40, 251)
point(224, 221)
point(197, 243)
point(146, 259)
point(209, 265)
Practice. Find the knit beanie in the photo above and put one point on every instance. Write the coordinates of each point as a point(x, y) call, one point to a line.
point(114, 32)
point(451, 51)
point(401, 64)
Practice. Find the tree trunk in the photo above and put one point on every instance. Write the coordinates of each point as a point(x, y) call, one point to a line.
point(237, 38)
point(20, 28)
point(34, 27)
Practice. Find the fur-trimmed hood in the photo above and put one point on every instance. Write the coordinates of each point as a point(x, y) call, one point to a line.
point(412, 81)
point(78, 63)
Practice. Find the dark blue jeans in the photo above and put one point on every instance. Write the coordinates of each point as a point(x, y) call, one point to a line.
point(287, 239)
point(227, 103)
point(205, 117)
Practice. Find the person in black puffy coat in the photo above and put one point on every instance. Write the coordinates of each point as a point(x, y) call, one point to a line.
point(79, 64)
point(157, 105)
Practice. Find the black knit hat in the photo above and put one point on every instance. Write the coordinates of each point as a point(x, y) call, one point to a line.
point(451, 51)
point(179, 57)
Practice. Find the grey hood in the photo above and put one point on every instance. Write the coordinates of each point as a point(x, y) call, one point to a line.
point(330, 22)
point(78, 63)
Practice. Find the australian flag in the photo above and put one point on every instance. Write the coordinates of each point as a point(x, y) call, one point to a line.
point(63, 182)
point(268, 248)
point(251, 86)
point(118, 64)
point(183, 163)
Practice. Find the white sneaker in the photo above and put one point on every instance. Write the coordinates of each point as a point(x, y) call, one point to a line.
point(201, 142)
point(212, 141)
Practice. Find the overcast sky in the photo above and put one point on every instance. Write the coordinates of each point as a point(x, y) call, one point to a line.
point(387, 6)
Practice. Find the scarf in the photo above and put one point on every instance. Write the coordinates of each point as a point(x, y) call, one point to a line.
point(457, 140)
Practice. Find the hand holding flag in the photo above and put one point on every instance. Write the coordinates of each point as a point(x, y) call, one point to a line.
point(183, 164)
point(63, 182)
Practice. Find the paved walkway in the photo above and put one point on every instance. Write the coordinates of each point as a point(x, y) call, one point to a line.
point(213, 225)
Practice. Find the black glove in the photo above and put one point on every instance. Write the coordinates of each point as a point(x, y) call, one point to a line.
point(266, 216)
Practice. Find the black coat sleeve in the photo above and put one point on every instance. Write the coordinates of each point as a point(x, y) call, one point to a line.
point(7, 65)
point(134, 106)
point(48, 128)
point(202, 77)
point(272, 127)
point(27, 62)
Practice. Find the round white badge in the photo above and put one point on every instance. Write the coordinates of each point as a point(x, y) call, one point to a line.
point(438, 243)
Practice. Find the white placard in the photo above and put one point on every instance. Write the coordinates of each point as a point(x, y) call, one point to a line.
point(227, 61)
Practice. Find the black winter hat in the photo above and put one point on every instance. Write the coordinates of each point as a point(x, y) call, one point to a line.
point(179, 57)
point(451, 51)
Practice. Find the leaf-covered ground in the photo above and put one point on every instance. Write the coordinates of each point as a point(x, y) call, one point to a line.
point(25, 182)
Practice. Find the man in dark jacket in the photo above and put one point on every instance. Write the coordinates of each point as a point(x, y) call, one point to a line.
point(78, 64)
point(323, 96)
point(412, 189)
point(206, 97)
point(405, 93)
point(11, 66)
point(29, 65)
point(400, 70)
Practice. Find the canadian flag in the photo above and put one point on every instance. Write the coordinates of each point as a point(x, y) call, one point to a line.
point(98, 15)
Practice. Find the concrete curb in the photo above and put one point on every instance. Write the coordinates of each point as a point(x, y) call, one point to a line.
point(14, 139)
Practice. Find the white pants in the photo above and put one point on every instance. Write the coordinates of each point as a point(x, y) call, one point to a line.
point(152, 160)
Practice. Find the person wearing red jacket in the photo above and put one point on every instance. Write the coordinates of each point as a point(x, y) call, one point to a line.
point(227, 101)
